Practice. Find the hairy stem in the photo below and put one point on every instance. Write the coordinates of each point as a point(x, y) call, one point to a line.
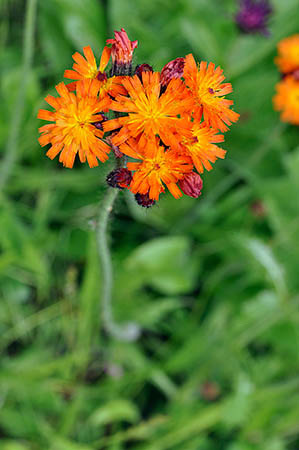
point(126, 331)
point(11, 150)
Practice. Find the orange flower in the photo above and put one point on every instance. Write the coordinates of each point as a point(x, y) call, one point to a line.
point(73, 131)
point(287, 100)
point(158, 167)
point(288, 54)
point(86, 68)
point(208, 90)
point(149, 112)
point(202, 149)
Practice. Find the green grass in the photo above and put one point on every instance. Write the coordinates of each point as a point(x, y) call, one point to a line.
point(212, 282)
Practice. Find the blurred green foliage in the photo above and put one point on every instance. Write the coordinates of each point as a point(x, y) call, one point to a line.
point(213, 282)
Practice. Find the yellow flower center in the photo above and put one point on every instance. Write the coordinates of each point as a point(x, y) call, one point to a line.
point(294, 97)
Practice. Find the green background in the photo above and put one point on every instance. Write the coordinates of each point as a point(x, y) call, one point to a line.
point(213, 282)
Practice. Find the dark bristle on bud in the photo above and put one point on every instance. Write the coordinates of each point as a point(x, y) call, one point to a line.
point(144, 200)
point(143, 68)
point(119, 178)
point(191, 185)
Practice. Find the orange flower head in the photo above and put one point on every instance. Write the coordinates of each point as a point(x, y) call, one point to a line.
point(86, 68)
point(286, 100)
point(158, 167)
point(149, 112)
point(122, 48)
point(288, 54)
point(208, 89)
point(201, 147)
point(72, 130)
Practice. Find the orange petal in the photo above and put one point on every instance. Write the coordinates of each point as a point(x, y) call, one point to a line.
point(105, 58)
point(46, 115)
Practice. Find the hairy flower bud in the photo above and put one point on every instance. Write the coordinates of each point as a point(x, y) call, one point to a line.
point(191, 185)
point(121, 53)
point(173, 69)
point(142, 68)
point(119, 178)
point(144, 200)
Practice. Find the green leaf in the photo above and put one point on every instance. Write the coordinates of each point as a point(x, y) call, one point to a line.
point(264, 256)
point(115, 411)
point(165, 263)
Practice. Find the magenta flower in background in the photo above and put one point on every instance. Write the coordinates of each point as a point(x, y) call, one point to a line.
point(253, 16)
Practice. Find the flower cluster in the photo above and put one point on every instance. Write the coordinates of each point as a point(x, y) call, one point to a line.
point(166, 126)
point(286, 99)
point(253, 15)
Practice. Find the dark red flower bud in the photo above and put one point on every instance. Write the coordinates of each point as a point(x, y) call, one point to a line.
point(296, 74)
point(191, 185)
point(119, 178)
point(173, 69)
point(102, 76)
point(144, 200)
point(143, 68)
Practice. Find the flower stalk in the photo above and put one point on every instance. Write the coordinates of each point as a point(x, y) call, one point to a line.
point(128, 331)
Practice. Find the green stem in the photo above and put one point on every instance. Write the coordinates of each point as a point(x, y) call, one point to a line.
point(127, 331)
point(11, 150)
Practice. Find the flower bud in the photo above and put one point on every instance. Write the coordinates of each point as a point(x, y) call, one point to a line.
point(143, 68)
point(121, 53)
point(173, 69)
point(296, 74)
point(191, 185)
point(253, 16)
point(144, 200)
point(102, 76)
point(119, 178)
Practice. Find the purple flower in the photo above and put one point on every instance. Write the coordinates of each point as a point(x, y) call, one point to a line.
point(253, 15)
